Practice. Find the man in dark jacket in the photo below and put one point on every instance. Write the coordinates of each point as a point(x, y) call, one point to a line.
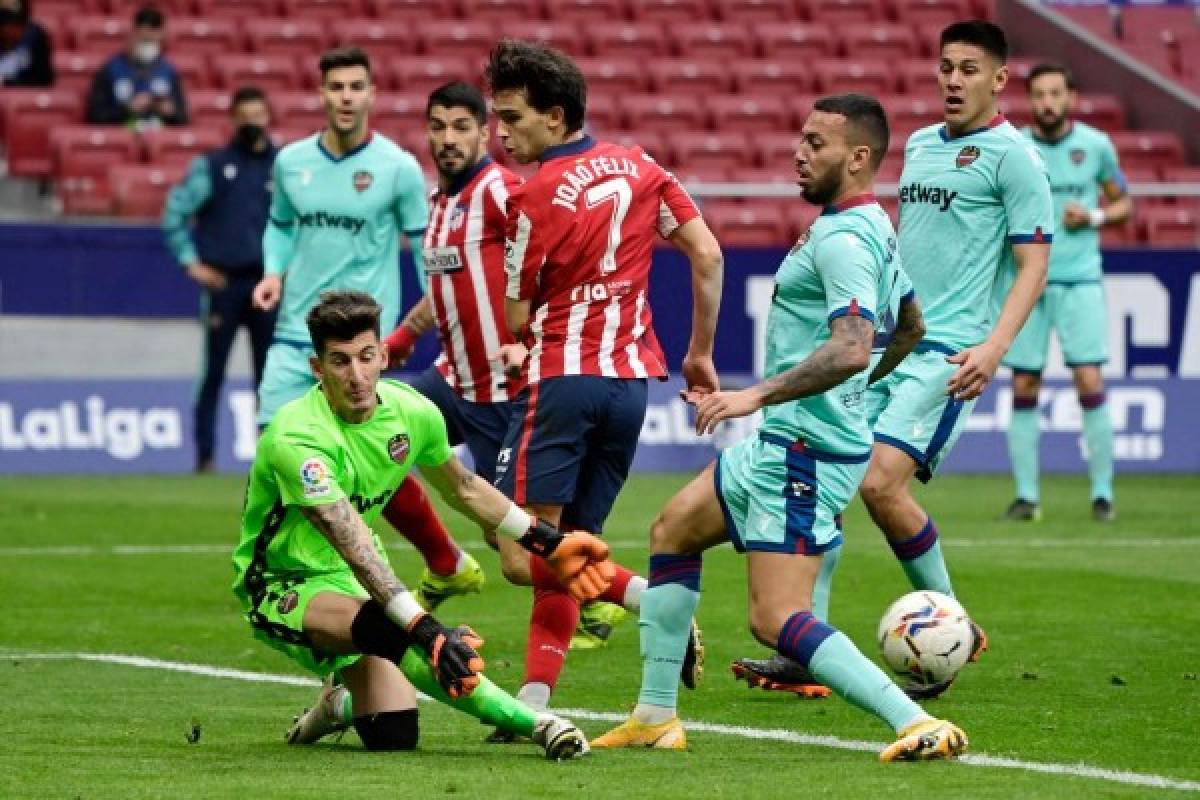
point(227, 192)
point(139, 87)
point(24, 48)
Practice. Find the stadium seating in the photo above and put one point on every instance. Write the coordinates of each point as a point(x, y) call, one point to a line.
point(28, 115)
point(663, 112)
point(270, 72)
point(757, 223)
point(423, 74)
point(323, 9)
point(99, 33)
point(585, 11)
point(1148, 148)
point(794, 41)
point(754, 10)
point(669, 11)
point(612, 75)
point(880, 41)
point(299, 37)
point(717, 42)
point(203, 35)
point(139, 190)
point(750, 113)
point(1172, 227)
point(783, 77)
point(384, 40)
point(563, 35)
point(175, 147)
point(701, 76)
point(637, 40)
point(74, 70)
point(80, 158)
point(725, 150)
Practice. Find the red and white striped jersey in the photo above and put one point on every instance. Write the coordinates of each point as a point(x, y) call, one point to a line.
point(580, 236)
point(464, 264)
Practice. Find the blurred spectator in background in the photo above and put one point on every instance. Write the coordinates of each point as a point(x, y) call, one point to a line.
point(139, 87)
point(24, 48)
point(227, 192)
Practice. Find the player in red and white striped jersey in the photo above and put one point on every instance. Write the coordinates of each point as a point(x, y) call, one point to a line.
point(580, 236)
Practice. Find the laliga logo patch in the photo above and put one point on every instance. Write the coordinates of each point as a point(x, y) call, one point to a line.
point(803, 240)
point(398, 447)
point(1077, 156)
point(287, 604)
point(362, 180)
point(457, 218)
point(967, 156)
point(315, 477)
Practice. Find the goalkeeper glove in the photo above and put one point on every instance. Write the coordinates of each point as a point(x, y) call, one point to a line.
point(452, 653)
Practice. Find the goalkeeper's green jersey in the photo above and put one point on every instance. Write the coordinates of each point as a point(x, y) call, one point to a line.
point(335, 224)
point(309, 456)
point(964, 201)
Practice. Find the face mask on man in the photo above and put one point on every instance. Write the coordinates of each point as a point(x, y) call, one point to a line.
point(248, 136)
point(146, 52)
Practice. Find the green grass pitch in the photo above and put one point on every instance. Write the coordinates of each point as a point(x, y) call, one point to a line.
point(1095, 653)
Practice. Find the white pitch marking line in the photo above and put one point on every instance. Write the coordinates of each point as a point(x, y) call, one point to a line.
point(618, 544)
point(765, 734)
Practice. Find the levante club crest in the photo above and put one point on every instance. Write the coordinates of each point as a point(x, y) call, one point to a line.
point(362, 180)
point(967, 156)
point(1077, 156)
point(398, 447)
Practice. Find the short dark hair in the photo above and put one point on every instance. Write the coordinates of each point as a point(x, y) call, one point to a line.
point(341, 315)
point(1050, 68)
point(985, 35)
point(246, 94)
point(148, 17)
point(459, 94)
point(340, 57)
point(866, 120)
point(548, 76)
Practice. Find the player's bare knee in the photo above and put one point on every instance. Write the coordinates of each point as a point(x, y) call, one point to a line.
point(766, 621)
point(667, 534)
point(878, 489)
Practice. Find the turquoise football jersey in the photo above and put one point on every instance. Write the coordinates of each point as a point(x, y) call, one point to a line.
point(963, 202)
point(1078, 164)
point(845, 264)
point(335, 224)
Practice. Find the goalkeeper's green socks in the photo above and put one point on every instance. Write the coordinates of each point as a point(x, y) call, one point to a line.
point(489, 703)
point(668, 605)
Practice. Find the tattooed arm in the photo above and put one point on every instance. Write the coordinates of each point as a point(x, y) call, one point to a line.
point(468, 493)
point(351, 537)
point(847, 353)
point(910, 329)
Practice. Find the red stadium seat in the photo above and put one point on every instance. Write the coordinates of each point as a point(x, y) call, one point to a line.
point(1181, 175)
point(652, 143)
point(880, 41)
point(750, 113)
point(721, 42)
point(861, 75)
point(582, 11)
point(207, 35)
point(692, 75)
point(139, 191)
point(690, 175)
point(294, 37)
point(751, 224)
point(907, 113)
point(783, 77)
point(100, 33)
point(889, 171)
point(1172, 227)
point(892, 206)
point(502, 10)
point(28, 115)
point(562, 35)
point(840, 12)
point(298, 109)
point(664, 112)
point(669, 11)
point(722, 150)
point(798, 41)
point(62, 9)
point(396, 114)
point(209, 108)
point(1141, 174)
point(237, 9)
point(463, 39)
point(271, 73)
point(173, 147)
point(931, 12)
point(778, 175)
point(918, 76)
point(413, 10)
point(382, 39)
point(641, 40)
point(74, 71)
point(1016, 108)
point(776, 152)
point(743, 11)
point(323, 9)
point(604, 112)
point(193, 70)
point(423, 74)
point(285, 135)
point(81, 156)
point(127, 8)
point(1104, 111)
point(614, 75)
point(1148, 148)
point(928, 36)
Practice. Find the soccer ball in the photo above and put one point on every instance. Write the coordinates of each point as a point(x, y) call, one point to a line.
point(926, 636)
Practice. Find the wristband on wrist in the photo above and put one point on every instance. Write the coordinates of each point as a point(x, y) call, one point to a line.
point(541, 539)
point(1097, 218)
point(403, 609)
point(516, 523)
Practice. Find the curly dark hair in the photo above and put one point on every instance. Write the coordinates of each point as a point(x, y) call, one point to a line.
point(548, 77)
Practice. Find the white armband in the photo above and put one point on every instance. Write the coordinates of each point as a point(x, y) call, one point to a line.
point(1097, 218)
point(403, 609)
point(516, 523)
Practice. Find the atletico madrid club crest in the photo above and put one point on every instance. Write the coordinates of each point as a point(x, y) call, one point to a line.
point(1077, 156)
point(398, 447)
point(362, 180)
point(967, 156)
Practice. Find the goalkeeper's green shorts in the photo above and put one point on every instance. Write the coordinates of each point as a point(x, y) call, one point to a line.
point(278, 618)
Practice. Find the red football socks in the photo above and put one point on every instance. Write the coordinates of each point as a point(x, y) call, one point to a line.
point(413, 516)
